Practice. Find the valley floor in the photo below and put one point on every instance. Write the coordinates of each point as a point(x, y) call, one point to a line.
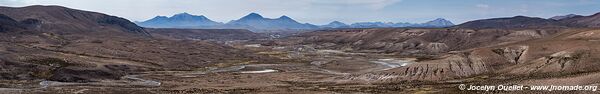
point(316, 71)
point(309, 71)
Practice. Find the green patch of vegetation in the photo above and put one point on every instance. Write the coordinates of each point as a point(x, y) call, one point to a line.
point(425, 58)
point(52, 62)
point(45, 74)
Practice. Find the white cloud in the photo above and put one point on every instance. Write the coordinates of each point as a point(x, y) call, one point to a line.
point(372, 4)
point(482, 6)
point(524, 9)
point(12, 2)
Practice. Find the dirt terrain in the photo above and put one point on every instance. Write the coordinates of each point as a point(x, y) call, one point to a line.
point(307, 69)
point(207, 34)
point(57, 50)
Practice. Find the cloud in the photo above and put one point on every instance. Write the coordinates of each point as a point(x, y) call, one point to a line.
point(371, 4)
point(12, 2)
point(482, 6)
point(524, 9)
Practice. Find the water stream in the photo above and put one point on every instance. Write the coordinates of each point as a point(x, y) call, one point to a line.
point(391, 63)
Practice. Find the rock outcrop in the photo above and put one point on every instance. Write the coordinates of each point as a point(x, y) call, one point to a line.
point(437, 47)
point(512, 54)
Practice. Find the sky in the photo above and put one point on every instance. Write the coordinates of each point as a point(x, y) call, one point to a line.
point(325, 11)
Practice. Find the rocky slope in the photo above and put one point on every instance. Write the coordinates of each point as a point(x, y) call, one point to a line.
point(463, 55)
point(9, 24)
point(528, 59)
point(416, 41)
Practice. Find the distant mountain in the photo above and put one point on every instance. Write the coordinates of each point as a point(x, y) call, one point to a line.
point(403, 24)
point(564, 17)
point(254, 21)
point(182, 20)
point(372, 25)
point(511, 23)
point(439, 22)
point(336, 24)
point(583, 21)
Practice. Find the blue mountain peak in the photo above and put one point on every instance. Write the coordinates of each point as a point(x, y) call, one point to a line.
point(337, 23)
point(253, 16)
point(284, 17)
point(161, 17)
point(185, 14)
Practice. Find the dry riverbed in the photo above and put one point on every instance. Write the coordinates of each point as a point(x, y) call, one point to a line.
point(318, 75)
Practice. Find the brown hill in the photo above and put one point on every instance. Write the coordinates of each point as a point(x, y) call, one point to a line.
point(65, 20)
point(517, 22)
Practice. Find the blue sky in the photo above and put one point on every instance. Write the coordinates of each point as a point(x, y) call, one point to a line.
point(325, 11)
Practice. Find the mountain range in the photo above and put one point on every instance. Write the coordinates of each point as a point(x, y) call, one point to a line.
point(182, 20)
point(256, 22)
point(336, 24)
point(252, 21)
point(437, 23)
